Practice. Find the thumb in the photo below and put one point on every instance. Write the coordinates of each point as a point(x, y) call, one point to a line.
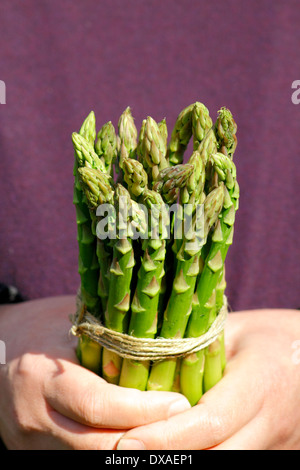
point(81, 395)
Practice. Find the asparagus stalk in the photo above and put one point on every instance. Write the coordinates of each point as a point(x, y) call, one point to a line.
point(98, 189)
point(140, 142)
point(213, 371)
point(208, 146)
point(201, 123)
point(106, 146)
point(180, 136)
point(135, 176)
point(152, 147)
point(116, 315)
point(191, 194)
point(85, 153)
point(222, 137)
point(211, 275)
point(170, 180)
point(169, 183)
point(88, 128)
point(127, 136)
point(194, 120)
point(220, 290)
point(214, 354)
point(88, 267)
point(163, 129)
point(225, 130)
point(191, 369)
point(179, 306)
point(143, 322)
point(87, 158)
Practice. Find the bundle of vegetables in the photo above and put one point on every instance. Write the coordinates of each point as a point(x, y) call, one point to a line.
point(147, 270)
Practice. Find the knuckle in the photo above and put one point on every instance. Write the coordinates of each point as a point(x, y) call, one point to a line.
point(26, 365)
point(25, 377)
point(90, 408)
point(25, 423)
point(216, 429)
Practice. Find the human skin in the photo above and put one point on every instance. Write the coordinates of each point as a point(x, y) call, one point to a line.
point(48, 401)
point(256, 406)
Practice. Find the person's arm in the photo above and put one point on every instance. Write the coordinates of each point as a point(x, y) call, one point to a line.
point(48, 401)
point(256, 406)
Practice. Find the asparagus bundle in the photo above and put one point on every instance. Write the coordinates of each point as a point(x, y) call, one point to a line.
point(155, 266)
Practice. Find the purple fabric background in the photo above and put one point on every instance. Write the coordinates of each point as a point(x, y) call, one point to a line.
point(60, 60)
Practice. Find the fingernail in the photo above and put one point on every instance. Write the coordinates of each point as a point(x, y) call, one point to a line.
point(130, 444)
point(178, 406)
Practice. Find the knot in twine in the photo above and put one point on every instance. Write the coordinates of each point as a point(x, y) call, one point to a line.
point(144, 349)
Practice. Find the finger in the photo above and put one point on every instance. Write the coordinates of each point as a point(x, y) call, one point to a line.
point(233, 333)
point(253, 436)
point(221, 413)
point(86, 398)
point(61, 433)
point(66, 434)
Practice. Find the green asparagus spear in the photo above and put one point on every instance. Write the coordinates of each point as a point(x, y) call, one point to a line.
point(223, 137)
point(201, 123)
point(88, 159)
point(180, 136)
point(143, 322)
point(163, 129)
point(152, 147)
point(179, 306)
point(192, 191)
point(225, 130)
point(191, 194)
point(220, 291)
point(212, 271)
point(88, 128)
point(88, 267)
point(213, 371)
point(170, 180)
point(194, 120)
point(135, 176)
point(98, 189)
point(106, 146)
point(116, 315)
point(97, 186)
point(127, 136)
point(208, 146)
point(85, 153)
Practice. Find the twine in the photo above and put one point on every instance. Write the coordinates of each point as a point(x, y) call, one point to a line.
point(144, 349)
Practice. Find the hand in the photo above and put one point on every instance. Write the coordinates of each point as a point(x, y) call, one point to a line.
point(256, 406)
point(48, 401)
